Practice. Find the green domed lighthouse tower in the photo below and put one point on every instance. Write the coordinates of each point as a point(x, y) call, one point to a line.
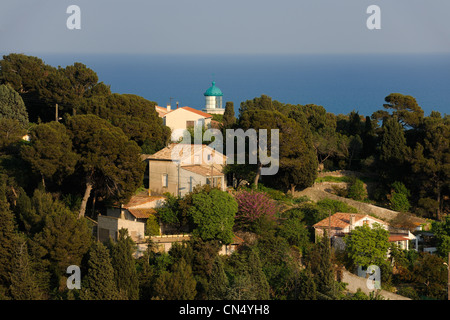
point(213, 100)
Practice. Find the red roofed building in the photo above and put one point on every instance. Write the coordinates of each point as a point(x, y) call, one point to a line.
point(340, 224)
point(180, 119)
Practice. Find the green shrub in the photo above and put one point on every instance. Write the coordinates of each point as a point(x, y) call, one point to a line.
point(356, 190)
point(152, 226)
point(335, 206)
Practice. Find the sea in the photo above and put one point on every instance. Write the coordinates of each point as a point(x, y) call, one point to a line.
point(340, 83)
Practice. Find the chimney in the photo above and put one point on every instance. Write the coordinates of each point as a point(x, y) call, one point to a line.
point(352, 221)
point(168, 107)
point(177, 104)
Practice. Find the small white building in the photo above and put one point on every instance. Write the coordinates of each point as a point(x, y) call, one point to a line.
point(132, 216)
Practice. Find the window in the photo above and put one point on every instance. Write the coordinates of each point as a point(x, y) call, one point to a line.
point(165, 180)
point(190, 124)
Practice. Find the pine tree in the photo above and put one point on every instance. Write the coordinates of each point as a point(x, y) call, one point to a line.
point(50, 153)
point(125, 273)
point(218, 282)
point(63, 239)
point(99, 283)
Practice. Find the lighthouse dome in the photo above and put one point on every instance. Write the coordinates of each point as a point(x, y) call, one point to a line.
point(213, 91)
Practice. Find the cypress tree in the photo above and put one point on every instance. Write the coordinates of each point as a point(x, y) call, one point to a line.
point(23, 281)
point(99, 283)
point(321, 267)
point(257, 276)
point(125, 273)
point(306, 286)
point(8, 239)
point(218, 282)
point(178, 284)
point(393, 149)
point(228, 117)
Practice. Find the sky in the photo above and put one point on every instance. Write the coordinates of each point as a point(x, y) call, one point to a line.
point(224, 27)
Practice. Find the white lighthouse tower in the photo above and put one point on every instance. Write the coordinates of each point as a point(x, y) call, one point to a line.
point(213, 100)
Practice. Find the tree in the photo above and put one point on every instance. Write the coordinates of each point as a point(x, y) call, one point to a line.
point(293, 229)
point(297, 160)
point(247, 277)
point(99, 282)
point(125, 273)
point(320, 263)
point(260, 103)
point(258, 278)
point(63, 239)
point(179, 284)
point(109, 161)
point(431, 161)
point(441, 230)
point(357, 190)
point(218, 283)
point(430, 273)
point(253, 206)
point(26, 74)
point(228, 117)
point(8, 238)
point(366, 245)
point(406, 109)
point(399, 197)
point(12, 106)
point(306, 286)
point(50, 153)
point(394, 151)
point(23, 282)
point(135, 115)
point(212, 212)
point(68, 87)
point(11, 132)
point(277, 264)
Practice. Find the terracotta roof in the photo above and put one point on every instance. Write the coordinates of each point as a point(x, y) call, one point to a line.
point(200, 113)
point(341, 220)
point(397, 237)
point(161, 111)
point(202, 170)
point(142, 213)
point(140, 199)
point(166, 153)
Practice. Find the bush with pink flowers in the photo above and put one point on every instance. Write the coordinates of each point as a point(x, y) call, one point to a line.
point(254, 205)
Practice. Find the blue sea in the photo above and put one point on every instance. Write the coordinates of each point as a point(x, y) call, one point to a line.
point(340, 83)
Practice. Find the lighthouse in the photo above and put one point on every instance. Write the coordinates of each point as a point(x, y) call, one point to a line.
point(213, 100)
